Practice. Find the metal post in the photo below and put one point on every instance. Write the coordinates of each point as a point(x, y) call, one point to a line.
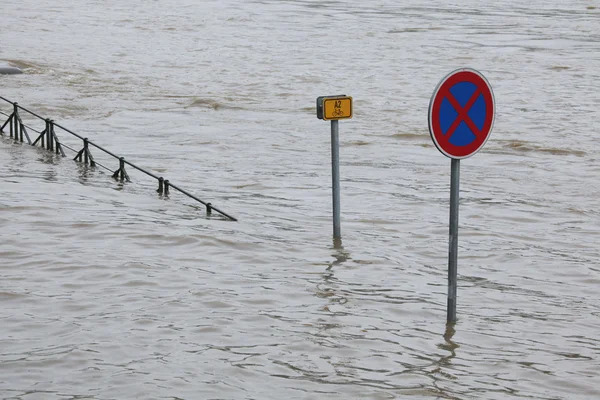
point(43, 135)
point(15, 120)
point(47, 134)
point(166, 187)
point(85, 151)
point(161, 181)
point(51, 135)
point(91, 158)
point(122, 168)
point(335, 177)
point(208, 208)
point(453, 242)
point(11, 125)
point(59, 149)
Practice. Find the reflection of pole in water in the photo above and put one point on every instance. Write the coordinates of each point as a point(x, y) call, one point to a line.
point(445, 361)
point(337, 243)
point(329, 288)
point(449, 345)
point(340, 254)
point(441, 373)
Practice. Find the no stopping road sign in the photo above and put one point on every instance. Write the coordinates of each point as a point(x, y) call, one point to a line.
point(461, 113)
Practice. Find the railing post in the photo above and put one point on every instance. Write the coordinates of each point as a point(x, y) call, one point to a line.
point(42, 137)
point(122, 168)
point(166, 187)
point(10, 123)
point(51, 135)
point(85, 155)
point(85, 150)
point(47, 134)
point(23, 130)
point(121, 173)
point(15, 120)
point(161, 181)
point(89, 154)
point(59, 149)
point(208, 208)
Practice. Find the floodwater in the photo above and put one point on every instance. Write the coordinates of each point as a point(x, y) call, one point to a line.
point(111, 291)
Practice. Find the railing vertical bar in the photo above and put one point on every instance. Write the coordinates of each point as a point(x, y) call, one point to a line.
point(51, 135)
point(59, 149)
point(15, 121)
point(24, 131)
point(47, 135)
point(21, 129)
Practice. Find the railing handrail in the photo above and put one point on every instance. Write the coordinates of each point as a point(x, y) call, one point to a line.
point(209, 206)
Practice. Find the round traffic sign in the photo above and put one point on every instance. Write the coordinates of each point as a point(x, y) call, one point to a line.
point(461, 113)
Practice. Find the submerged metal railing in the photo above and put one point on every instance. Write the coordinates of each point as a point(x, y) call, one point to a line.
point(48, 139)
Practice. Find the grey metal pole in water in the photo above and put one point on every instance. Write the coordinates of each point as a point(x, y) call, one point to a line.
point(335, 176)
point(453, 245)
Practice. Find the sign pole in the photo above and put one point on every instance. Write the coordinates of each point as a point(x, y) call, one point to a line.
point(335, 177)
point(453, 242)
point(334, 108)
point(461, 116)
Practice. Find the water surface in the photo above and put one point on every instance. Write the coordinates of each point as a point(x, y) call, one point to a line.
point(110, 291)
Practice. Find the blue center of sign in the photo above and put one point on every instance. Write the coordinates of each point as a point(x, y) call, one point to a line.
point(462, 135)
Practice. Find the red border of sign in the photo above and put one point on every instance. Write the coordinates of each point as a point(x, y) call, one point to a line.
point(440, 92)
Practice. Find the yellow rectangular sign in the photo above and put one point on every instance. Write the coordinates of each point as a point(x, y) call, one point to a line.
point(337, 108)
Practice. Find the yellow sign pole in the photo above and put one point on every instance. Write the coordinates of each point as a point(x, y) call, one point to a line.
point(335, 178)
point(334, 108)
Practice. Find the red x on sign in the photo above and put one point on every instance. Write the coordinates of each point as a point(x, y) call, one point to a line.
point(461, 113)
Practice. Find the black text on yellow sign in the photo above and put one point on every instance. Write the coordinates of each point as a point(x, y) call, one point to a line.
point(334, 107)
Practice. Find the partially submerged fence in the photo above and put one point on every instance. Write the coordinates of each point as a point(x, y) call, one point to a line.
point(48, 139)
